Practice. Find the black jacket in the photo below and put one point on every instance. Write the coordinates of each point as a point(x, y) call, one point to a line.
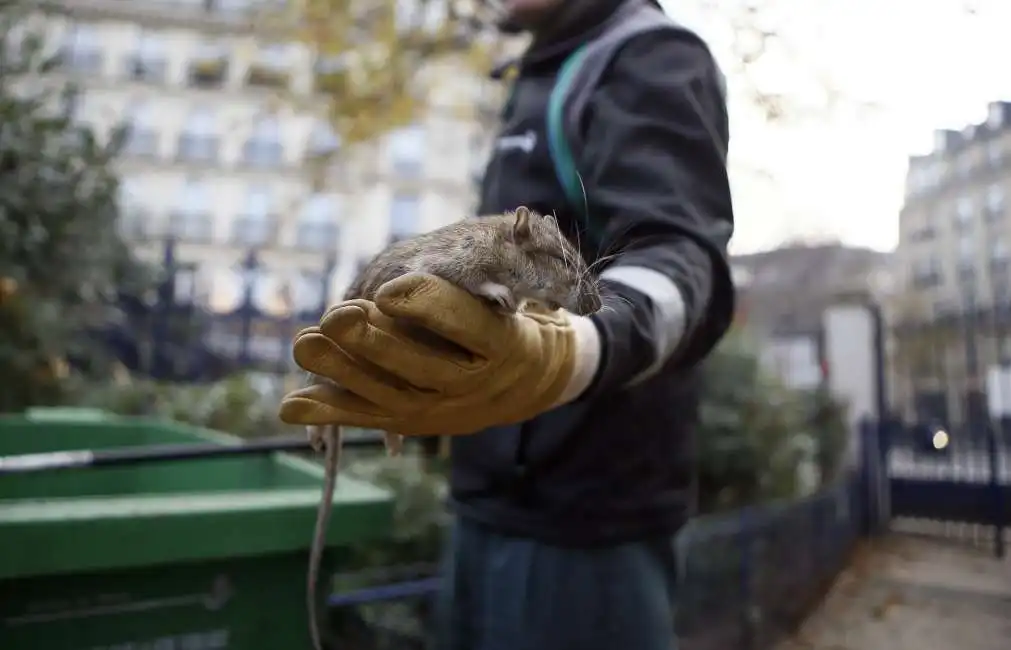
point(618, 464)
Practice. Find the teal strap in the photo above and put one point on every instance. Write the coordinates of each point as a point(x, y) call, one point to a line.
point(558, 144)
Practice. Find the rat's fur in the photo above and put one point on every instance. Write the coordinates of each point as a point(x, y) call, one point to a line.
point(508, 259)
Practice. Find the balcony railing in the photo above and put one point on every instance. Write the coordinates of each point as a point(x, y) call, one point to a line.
point(146, 70)
point(198, 148)
point(209, 73)
point(268, 76)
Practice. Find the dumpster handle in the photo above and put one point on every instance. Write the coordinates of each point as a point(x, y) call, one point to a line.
point(89, 458)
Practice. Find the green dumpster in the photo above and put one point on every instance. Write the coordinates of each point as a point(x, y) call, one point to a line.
point(183, 555)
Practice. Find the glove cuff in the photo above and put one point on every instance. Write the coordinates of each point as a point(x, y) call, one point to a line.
point(586, 355)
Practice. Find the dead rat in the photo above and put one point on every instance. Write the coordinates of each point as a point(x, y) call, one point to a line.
point(508, 259)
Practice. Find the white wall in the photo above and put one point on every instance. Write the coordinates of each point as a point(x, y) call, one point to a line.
point(852, 366)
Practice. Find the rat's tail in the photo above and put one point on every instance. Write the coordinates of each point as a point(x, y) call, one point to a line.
point(332, 438)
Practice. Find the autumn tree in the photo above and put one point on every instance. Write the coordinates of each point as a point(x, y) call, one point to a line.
point(376, 60)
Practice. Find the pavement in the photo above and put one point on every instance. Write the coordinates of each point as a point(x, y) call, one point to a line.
point(911, 593)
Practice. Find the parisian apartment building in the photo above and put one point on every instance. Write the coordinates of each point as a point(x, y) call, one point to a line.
point(953, 269)
point(221, 129)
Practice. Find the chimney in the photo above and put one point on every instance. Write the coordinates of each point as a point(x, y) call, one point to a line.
point(998, 114)
point(945, 140)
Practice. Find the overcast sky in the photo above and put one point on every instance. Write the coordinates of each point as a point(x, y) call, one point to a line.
point(927, 63)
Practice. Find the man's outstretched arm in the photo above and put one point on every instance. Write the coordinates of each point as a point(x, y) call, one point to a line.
point(654, 167)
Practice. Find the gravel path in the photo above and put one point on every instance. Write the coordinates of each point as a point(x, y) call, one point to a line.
point(906, 593)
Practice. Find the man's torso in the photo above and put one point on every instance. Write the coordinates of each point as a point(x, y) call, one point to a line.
point(595, 473)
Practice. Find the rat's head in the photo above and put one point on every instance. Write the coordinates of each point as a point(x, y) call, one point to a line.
point(543, 265)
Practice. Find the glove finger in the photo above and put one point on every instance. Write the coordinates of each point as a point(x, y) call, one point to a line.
point(308, 330)
point(445, 309)
point(320, 356)
point(426, 362)
point(360, 303)
point(325, 404)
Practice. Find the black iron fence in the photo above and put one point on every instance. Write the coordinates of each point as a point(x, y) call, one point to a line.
point(172, 334)
point(748, 578)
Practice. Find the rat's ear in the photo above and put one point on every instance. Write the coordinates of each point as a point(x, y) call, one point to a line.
point(521, 229)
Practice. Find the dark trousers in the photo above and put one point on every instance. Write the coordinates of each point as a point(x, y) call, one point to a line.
point(507, 593)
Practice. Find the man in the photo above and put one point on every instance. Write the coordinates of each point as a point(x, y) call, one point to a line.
point(572, 456)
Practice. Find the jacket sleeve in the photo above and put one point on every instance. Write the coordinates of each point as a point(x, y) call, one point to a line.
point(653, 163)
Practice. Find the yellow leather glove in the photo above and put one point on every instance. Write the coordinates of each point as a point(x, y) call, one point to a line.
point(496, 369)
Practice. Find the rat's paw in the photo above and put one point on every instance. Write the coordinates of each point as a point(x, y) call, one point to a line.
point(500, 295)
point(317, 437)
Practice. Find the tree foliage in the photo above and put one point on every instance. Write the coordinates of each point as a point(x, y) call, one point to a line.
point(371, 53)
point(61, 258)
point(758, 440)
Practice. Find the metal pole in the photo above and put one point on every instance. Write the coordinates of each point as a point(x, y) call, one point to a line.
point(247, 308)
point(88, 458)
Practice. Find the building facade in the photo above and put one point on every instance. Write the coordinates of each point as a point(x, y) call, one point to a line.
point(783, 295)
point(225, 138)
point(950, 314)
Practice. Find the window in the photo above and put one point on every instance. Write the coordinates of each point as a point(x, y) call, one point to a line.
point(323, 140)
point(270, 68)
point(966, 259)
point(964, 165)
point(232, 8)
point(82, 49)
point(199, 140)
point(255, 225)
point(330, 64)
point(263, 148)
point(923, 229)
point(428, 17)
point(142, 136)
point(148, 62)
point(1000, 257)
point(317, 224)
point(407, 151)
point(999, 251)
point(963, 212)
point(405, 215)
point(274, 56)
point(917, 179)
point(995, 202)
point(926, 272)
point(328, 71)
point(995, 152)
point(209, 66)
point(191, 218)
point(193, 198)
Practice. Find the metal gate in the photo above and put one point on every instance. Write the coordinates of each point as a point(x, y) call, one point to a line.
point(940, 451)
